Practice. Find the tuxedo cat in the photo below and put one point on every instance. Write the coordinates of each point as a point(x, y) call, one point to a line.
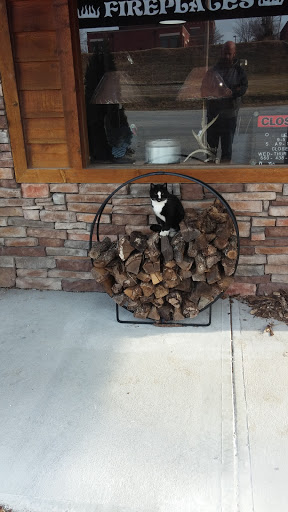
point(167, 208)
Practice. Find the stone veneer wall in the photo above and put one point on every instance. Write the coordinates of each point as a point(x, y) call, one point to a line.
point(44, 228)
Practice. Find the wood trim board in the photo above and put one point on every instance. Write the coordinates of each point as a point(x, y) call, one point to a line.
point(67, 39)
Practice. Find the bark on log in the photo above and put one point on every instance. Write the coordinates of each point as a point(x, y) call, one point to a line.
point(134, 292)
point(154, 314)
point(166, 249)
point(133, 263)
point(138, 241)
point(124, 248)
point(153, 252)
point(170, 278)
point(189, 310)
point(147, 289)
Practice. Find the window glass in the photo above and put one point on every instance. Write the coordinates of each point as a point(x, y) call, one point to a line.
point(189, 92)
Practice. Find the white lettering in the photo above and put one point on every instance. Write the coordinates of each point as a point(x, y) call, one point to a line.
point(165, 4)
point(153, 7)
point(150, 8)
point(180, 8)
point(228, 4)
point(195, 6)
point(214, 7)
point(245, 4)
point(122, 8)
point(134, 7)
point(110, 6)
point(97, 12)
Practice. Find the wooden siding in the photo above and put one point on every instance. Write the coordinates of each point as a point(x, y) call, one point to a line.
point(41, 43)
point(46, 109)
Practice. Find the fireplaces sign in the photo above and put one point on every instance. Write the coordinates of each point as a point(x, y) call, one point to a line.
point(127, 12)
point(270, 140)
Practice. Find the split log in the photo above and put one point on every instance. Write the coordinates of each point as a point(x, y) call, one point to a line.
point(201, 242)
point(178, 245)
point(166, 249)
point(160, 291)
point(158, 302)
point(146, 300)
point(231, 250)
point(203, 302)
point(166, 312)
point(184, 274)
point(174, 298)
point(213, 259)
point(188, 232)
point(99, 247)
point(220, 243)
point(117, 288)
point(170, 278)
point(124, 248)
point(138, 241)
point(226, 229)
point(192, 250)
point(152, 252)
point(201, 266)
point(132, 305)
point(120, 299)
point(156, 277)
point(147, 289)
point(150, 267)
point(170, 264)
point(209, 250)
point(169, 274)
point(189, 309)
point(130, 281)
point(177, 315)
point(142, 311)
point(213, 275)
point(154, 314)
point(102, 276)
point(105, 257)
point(185, 285)
point(191, 216)
point(134, 292)
point(186, 263)
point(228, 266)
point(142, 276)
point(133, 263)
point(198, 277)
point(118, 272)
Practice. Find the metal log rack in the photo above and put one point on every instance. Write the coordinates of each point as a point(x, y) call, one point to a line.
point(96, 222)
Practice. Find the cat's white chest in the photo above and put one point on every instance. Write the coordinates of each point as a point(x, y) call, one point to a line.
point(158, 207)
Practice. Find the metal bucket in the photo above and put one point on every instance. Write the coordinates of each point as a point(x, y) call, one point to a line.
point(163, 151)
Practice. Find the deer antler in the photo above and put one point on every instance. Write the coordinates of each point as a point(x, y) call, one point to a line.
point(204, 146)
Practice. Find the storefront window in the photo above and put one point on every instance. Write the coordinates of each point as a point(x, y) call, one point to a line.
point(192, 91)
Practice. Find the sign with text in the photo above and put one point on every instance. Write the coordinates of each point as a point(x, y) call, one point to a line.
point(132, 12)
point(271, 140)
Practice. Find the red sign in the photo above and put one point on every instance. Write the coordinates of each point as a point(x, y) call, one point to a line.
point(272, 121)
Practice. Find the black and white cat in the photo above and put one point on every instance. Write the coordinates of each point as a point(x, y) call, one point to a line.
point(167, 208)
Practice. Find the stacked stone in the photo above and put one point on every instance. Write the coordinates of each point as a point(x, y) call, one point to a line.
point(44, 228)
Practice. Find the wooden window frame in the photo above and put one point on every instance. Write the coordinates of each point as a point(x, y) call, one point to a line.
point(73, 98)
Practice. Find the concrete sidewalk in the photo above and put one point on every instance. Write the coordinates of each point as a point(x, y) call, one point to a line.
point(107, 417)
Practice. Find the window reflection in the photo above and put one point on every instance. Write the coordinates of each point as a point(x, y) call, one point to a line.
point(165, 94)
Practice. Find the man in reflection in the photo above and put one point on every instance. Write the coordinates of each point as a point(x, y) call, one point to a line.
point(223, 86)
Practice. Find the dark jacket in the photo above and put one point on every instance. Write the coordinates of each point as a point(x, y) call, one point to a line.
point(223, 87)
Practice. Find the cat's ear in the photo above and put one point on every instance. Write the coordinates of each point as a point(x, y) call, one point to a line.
point(165, 185)
point(152, 186)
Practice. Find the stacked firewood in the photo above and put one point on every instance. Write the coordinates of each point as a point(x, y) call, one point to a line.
point(170, 278)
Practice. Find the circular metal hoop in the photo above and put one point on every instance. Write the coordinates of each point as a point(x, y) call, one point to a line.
point(97, 219)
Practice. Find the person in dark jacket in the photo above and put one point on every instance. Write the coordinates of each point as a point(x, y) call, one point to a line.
point(223, 86)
